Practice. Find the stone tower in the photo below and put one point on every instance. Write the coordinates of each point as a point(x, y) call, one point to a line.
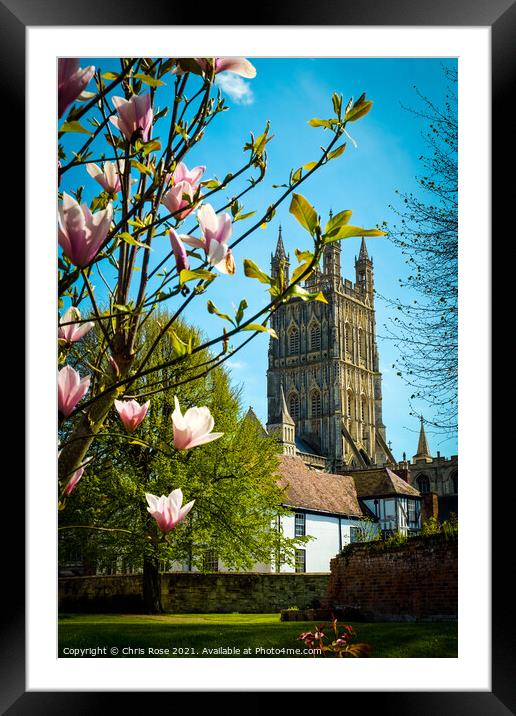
point(324, 366)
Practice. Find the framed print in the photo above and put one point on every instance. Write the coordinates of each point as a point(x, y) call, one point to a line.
point(316, 390)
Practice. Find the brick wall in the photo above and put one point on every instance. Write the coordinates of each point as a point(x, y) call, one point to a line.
point(195, 592)
point(416, 580)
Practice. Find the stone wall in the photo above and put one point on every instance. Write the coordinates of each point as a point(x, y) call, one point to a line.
point(195, 592)
point(411, 581)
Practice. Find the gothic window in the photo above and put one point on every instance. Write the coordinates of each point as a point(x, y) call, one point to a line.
point(347, 335)
point(315, 337)
point(315, 404)
point(293, 406)
point(293, 340)
point(363, 408)
point(350, 403)
point(361, 343)
point(423, 483)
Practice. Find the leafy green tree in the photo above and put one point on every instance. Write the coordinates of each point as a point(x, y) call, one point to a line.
point(232, 481)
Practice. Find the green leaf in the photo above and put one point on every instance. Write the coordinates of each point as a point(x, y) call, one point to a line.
point(251, 270)
point(211, 184)
point(304, 212)
point(148, 80)
point(259, 327)
point(141, 167)
point(296, 176)
point(240, 311)
point(305, 295)
point(241, 217)
point(109, 76)
point(148, 147)
point(337, 222)
point(337, 103)
point(319, 123)
point(74, 127)
point(187, 275)
point(212, 308)
point(131, 240)
point(179, 347)
point(337, 152)
point(347, 232)
point(309, 166)
point(359, 109)
point(298, 271)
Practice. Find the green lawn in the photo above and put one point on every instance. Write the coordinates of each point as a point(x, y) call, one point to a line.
point(194, 635)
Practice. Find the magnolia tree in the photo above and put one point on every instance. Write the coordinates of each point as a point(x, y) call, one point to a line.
point(131, 132)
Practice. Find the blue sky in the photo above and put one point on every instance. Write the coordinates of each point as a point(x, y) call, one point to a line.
point(289, 92)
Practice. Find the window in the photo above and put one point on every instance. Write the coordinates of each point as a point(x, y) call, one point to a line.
point(210, 561)
point(300, 560)
point(355, 534)
point(423, 483)
point(315, 337)
point(315, 404)
point(293, 340)
point(363, 408)
point(350, 403)
point(293, 406)
point(347, 335)
point(300, 524)
point(413, 513)
point(454, 481)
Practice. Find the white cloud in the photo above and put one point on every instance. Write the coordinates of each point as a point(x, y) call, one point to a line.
point(234, 86)
point(236, 364)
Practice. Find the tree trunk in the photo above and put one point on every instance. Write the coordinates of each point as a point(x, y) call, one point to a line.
point(151, 585)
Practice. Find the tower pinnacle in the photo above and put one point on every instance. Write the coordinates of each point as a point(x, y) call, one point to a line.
point(363, 255)
point(423, 451)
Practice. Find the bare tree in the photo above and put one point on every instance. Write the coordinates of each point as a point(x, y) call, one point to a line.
point(424, 328)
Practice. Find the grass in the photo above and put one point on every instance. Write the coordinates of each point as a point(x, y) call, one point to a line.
point(197, 635)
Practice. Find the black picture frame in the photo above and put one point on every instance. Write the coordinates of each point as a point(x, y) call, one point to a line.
point(500, 16)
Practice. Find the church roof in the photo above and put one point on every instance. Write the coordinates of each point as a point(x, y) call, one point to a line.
point(281, 414)
point(381, 482)
point(317, 490)
point(251, 415)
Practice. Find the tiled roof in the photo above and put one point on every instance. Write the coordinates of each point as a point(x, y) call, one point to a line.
point(381, 481)
point(317, 490)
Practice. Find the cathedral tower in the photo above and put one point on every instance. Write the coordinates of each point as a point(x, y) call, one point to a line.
point(324, 366)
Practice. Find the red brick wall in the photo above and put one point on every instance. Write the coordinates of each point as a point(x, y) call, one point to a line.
point(416, 580)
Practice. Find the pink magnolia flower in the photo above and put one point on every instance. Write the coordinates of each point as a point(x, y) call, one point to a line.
point(108, 177)
point(72, 332)
point(179, 251)
point(131, 413)
point(71, 81)
point(192, 176)
point(193, 428)
point(72, 482)
point(174, 199)
point(167, 511)
point(81, 233)
point(238, 65)
point(70, 389)
point(216, 231)
point(134, 115)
